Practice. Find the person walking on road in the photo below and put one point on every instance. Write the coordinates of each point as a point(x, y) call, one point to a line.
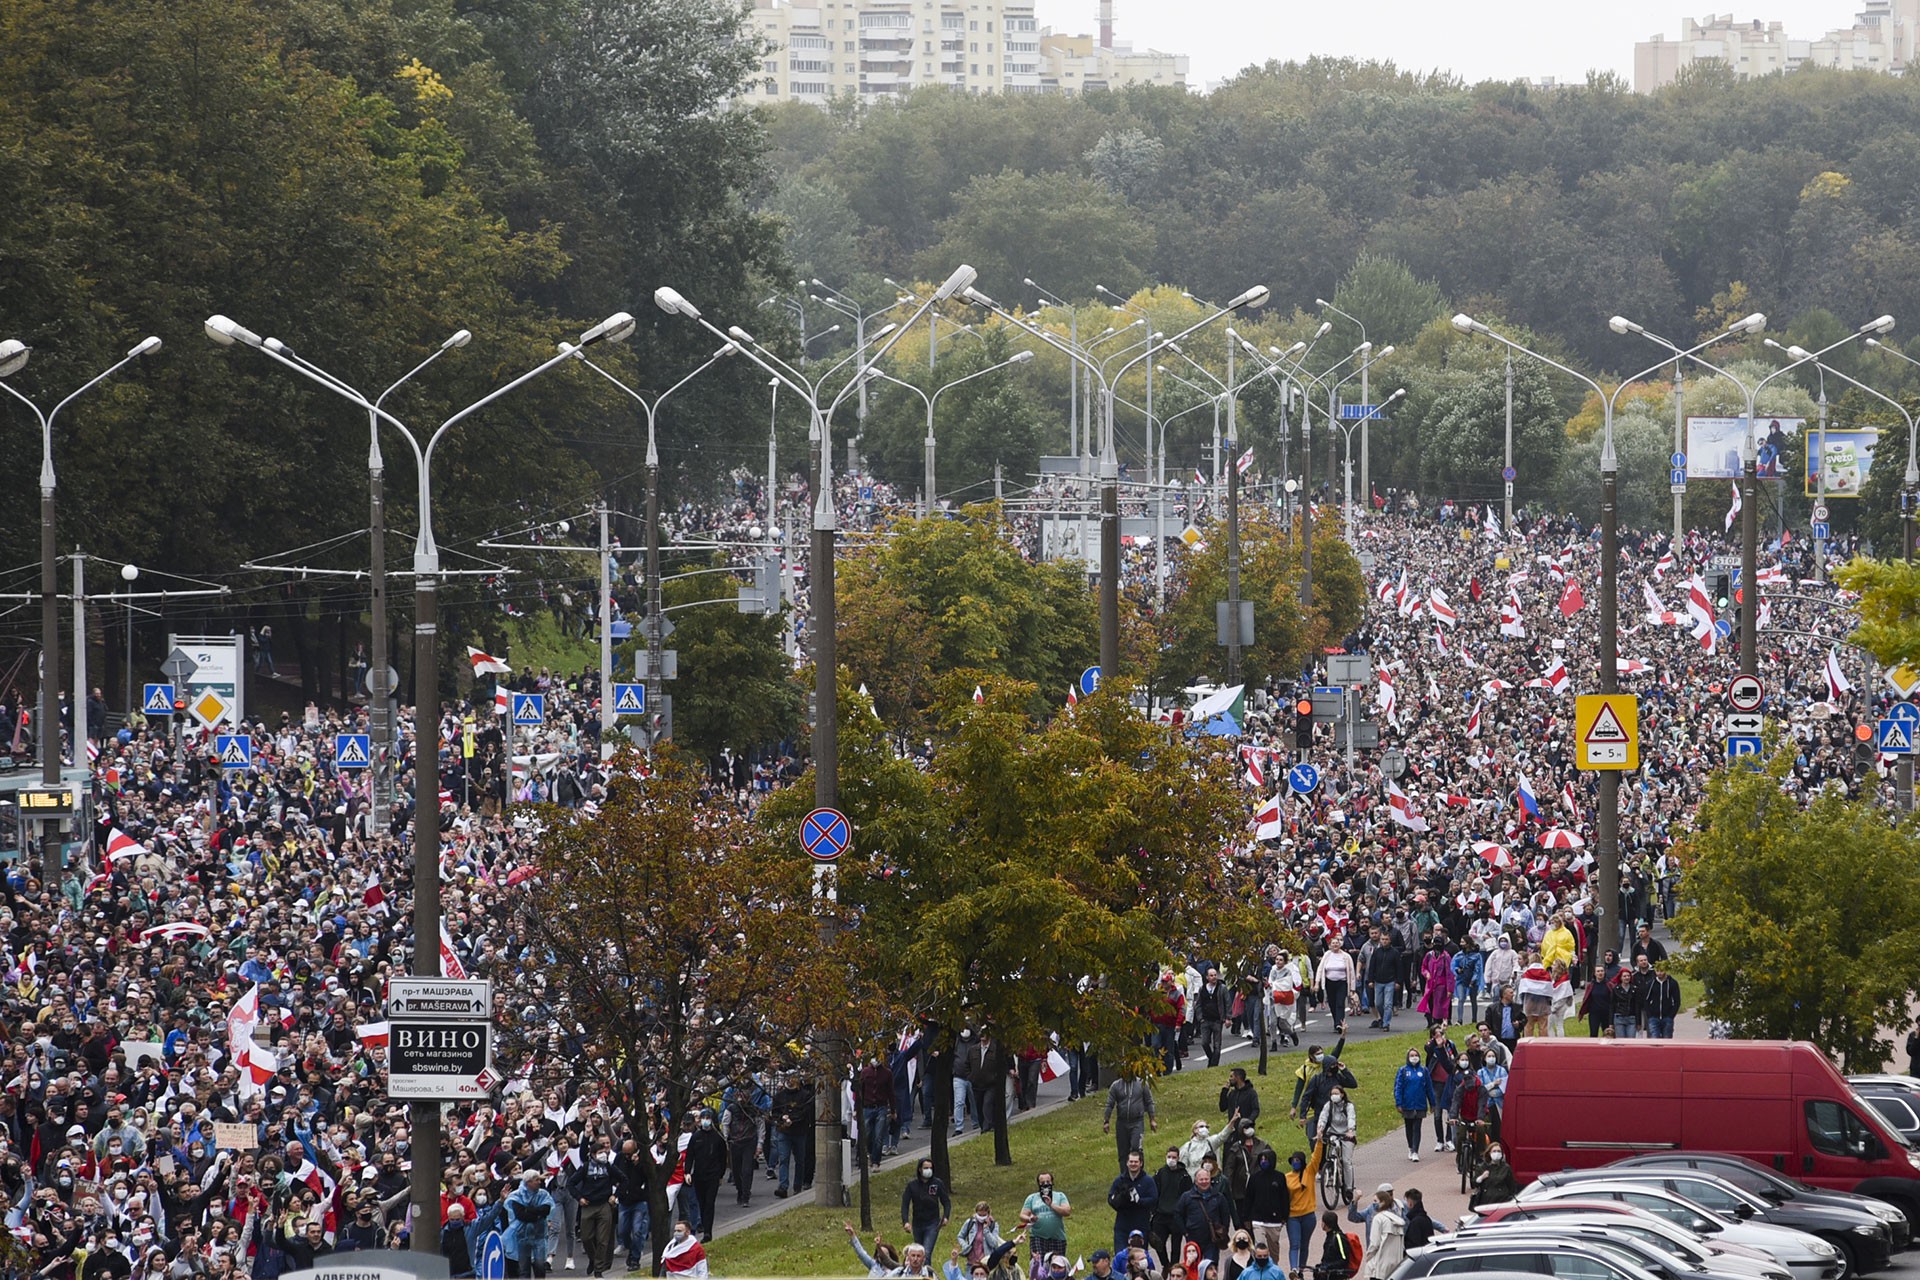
point(1334, 980)
point(1130, 1099)
point(1215, 1004)
point(1302, 1169)
point(1412, 1093)
point(1171, 1181)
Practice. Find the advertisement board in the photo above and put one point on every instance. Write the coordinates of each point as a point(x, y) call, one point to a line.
point(1714, 444)
point(1846, 456)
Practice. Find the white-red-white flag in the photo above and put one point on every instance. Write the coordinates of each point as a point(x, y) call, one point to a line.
point(1400, 809)
point(1837, 682)
point(486, 664)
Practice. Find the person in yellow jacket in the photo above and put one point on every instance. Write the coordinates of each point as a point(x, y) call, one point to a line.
point(1557, 943)
point(1302, 1169)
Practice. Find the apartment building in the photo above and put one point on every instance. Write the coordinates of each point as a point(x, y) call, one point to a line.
point(877, 49)
point(1882, 38)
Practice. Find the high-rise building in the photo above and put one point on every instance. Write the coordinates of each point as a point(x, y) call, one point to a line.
point(1882, 38)
point(878, 49)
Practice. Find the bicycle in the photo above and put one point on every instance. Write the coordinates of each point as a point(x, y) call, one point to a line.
point(1470, 1152)
point(1336, 1172)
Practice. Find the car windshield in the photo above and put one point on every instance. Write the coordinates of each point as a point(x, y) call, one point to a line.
point(1887, 1127)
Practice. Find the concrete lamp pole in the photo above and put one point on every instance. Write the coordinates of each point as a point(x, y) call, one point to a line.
point(930, 401)
point(13, 358)
point(1912, 477)
point(1366, 474)
point(423, 1115)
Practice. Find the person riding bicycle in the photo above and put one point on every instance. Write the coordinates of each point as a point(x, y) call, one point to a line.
point(1333, 1076)
point(1338, 1119)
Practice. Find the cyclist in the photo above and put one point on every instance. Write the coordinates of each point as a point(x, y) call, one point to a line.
point(1339, 1122)
point(1317, 1090)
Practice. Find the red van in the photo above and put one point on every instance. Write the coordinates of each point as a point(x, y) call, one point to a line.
point(1577, 1104)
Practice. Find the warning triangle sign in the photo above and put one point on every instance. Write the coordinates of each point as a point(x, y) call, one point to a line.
point(234, 751)
point(627, 698)
point(353, 751)
point(1606, 728)
point(161, 702)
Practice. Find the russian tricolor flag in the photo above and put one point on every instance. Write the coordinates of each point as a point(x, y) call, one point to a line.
point(1523, 795)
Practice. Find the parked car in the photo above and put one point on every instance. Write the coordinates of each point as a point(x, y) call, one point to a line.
point(1655, 1253)
point(1532, 1257)
point(1750, 1175)
point(1807, 1257)
point(1897, 1098)
point(1726, 1258)
point(1865, 1241)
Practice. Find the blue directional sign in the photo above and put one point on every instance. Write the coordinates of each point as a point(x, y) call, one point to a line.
point(234, 750)
point(529, 709)
point(1724, 628)
point(1302, 779)
point(492, 1263)
point(1358, 412)
point(1894, 738)
point(825, 834)
point(157, 700)
point(1906, 713)
point(352, 750)
point(1677, 476)
point(1740, 747)
point(629, 699)
point(1678, 461)
point(1089, 682)
point(1822, 530)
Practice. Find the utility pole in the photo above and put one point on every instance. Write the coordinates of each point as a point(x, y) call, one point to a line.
point(51, 853)
point(1820, 545)
point(1680, 447)
point(606, 631)
point(1233, 519)
point(1506, 485)
point(379, 695)
point(80, 725)
point(1306, 500)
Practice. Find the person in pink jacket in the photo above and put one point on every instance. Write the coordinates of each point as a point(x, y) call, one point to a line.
point(1436, 973)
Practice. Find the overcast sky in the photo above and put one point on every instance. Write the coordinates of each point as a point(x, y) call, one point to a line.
point(1477, 39)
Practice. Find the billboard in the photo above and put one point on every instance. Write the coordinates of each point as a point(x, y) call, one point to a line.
point(1714, 444)
point(1846, 456)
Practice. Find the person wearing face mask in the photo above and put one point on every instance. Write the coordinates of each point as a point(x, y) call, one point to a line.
point(1502, 966)
point(1334, 1075)
point(1411, 1089)
point(1339, 1120)
point(1299, 1178)
point(978, 1236)
point(925, 1207)
point(528, 1209)
point(1045, 1214)
point(1171, 1181)
point(684, 1255)
point(1268, 1203)
point(1494, 1184)
point(1202, 1144)
point(593, 1184)
point(706, 1166)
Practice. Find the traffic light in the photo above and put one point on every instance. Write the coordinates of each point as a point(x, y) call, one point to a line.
point(1303, 722)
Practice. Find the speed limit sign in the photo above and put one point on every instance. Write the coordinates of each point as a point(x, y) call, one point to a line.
point(1820, 513)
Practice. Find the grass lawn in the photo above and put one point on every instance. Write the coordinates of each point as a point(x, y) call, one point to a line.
point(811, 1241)
point(536, 642)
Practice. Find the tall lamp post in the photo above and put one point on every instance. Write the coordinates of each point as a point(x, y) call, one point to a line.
point(423, 1115)
point(827, 1183)
point(1913, 466)
point(1346, 433)
point(1749, 467)
point(1366, 475)
point(1912, 477)
point(1607, 818)
point(931, 401)
point(1073, 336)
point(13, 358)
point(656, 637)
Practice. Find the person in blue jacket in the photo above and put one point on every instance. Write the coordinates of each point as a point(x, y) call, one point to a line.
point(1410, 1098)
point(528, 1209)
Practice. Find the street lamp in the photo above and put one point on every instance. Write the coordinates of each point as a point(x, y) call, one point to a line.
point(1607, 817)
point(1912, 477)
point(1346, 433)
point(423, 1116)
point(656, 633)
point(1366, 476)
point(129, 574)
point(13, 358)
point(1913, 466)
point(1018, 357)
point(806, 342)
point(1073, 336)
point(1749, 504)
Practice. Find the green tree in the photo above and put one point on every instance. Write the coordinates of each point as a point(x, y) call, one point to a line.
point(1071, 232)
point(1387, 298)
point(1465, 433)
point(1805, 920)
point(1889, 608)
point(994, 418)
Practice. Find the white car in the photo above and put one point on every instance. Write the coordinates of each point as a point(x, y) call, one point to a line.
point(1807, 1257)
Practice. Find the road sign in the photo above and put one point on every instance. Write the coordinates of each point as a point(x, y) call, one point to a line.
point(1905, 712)
point(1743, 724)
point(234, 750)
point(825, 834)
point(1089, 681)
point(493, 1258)
point(352, 750)
point(1678, 461)
point(629, 699)
point(209, 708)
point(1509, 474)
point(1302, 779)
point(1676, 488)
point(1191, 536)
point(1358, 412)
point(529, 709)
point(1723, 628)
point(157, 700)
point(1606, 731)
point(1895, 738)
point(440, 999)
point(1903, 680)
point(1393, 762)
point(1822, 530)
point(439, 1060)
point(1746, 693)
point(1820, 511)
point(1725, 561)
point(179, 666)
point(1676, 476)
point(1741, 747)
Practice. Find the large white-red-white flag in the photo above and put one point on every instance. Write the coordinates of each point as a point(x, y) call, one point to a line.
point(1400, 809)
point(485, 663)
point(1837, 682)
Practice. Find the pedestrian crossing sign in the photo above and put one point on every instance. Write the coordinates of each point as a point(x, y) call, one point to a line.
point(234, 750)
point(629, 699)
point(529, 709)
point(352, 750)
point(158, 700)
point(1895, 738)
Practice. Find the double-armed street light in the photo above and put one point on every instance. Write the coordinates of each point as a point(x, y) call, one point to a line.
point(1911, 479)
point(423, 1116)
point(1749, 466)
point(927, 495)
point(1607, 816)
point(13, 358)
